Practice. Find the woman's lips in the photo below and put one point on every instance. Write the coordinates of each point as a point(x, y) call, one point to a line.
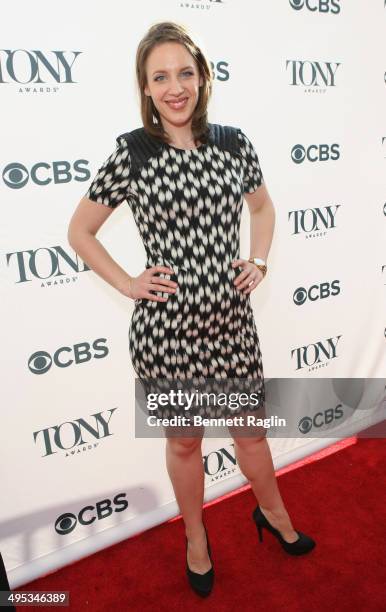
point(177, 104)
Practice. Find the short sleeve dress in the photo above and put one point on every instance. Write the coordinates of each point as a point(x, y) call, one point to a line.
point(187, 206)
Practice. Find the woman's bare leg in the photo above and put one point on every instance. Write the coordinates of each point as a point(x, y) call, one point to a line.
point(186, 472)
point(255, 460)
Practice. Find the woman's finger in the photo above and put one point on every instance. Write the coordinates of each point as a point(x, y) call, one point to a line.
point(244, 283)
point(238, 262)
point(163, 281)
point(159, 287)
point(254, 284)
point(245, 276)
point(241, 276)
point(154, 298)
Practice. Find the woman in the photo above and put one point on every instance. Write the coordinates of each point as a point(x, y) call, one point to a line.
point(185, 181)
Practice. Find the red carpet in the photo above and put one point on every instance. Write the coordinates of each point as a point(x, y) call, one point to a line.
point(337, 496)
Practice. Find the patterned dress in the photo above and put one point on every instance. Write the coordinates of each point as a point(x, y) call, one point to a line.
point(187, 206)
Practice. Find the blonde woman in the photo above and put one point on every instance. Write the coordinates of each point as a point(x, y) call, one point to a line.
point(185, 180)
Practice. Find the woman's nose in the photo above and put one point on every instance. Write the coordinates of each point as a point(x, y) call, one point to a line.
point(175, 86)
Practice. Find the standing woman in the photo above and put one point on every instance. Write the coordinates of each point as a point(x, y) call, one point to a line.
point(185, 180)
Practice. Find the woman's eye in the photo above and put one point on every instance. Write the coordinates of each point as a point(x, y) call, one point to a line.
point(185, 73)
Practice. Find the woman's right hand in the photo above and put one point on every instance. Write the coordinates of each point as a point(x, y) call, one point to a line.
point(139, 287)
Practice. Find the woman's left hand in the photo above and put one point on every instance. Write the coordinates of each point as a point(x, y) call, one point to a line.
point(249, 278)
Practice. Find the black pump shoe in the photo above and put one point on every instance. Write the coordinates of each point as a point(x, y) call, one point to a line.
point(201, 583)
point(302, 545)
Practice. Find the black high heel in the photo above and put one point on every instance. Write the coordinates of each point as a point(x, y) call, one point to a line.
point(302, 545)
point(201, 583)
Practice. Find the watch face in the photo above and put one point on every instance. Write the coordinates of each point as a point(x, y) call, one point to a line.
point(258, 261)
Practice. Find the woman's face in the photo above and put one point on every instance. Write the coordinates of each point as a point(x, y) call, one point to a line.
point(173, 82)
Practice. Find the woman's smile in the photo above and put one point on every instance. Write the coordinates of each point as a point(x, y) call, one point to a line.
point(177, 104)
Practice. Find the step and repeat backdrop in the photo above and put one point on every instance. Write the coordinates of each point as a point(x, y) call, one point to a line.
point(306, 81)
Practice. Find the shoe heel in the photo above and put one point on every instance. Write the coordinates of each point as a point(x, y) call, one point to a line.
point(302, 545)
point(260, 530)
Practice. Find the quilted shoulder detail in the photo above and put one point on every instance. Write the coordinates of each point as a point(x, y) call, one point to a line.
point(224, 136)
point(141, 145)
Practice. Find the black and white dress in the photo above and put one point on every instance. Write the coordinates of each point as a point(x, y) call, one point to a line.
point(187, 206)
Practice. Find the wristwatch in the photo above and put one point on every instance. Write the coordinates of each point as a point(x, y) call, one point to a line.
point(259, 263)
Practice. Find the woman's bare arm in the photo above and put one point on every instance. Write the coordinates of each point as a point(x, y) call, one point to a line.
point(84, 224)
point(262, 215)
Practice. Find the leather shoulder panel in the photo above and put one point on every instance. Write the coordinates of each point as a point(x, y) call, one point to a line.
point(141, 145)
point(224, 136)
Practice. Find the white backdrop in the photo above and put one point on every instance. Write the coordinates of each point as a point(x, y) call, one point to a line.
point(305, 81)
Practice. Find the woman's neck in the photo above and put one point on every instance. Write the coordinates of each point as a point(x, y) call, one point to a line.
point(180, 136)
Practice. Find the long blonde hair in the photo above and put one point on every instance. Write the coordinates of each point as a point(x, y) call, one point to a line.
point(167, 31)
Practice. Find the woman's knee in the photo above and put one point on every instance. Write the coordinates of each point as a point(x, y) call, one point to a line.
point(184, 446)
point(249, 443)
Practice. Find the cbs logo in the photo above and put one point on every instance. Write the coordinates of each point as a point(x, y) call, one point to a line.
point(320, 418)
point(323, 6)
point(67, 522)
point(316, 292)
point(16, 175)
point(314, 153)
point(41, 361)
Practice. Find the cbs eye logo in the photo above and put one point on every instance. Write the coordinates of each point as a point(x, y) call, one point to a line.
point(40, 362)
point(65, 523)
point(16, 176)
point(305, 425)
point(314, 153)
